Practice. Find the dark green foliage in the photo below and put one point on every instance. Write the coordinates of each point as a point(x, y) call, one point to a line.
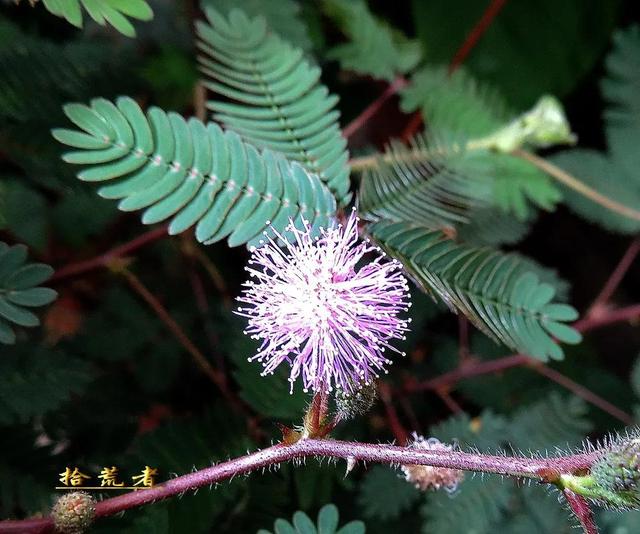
point(106, 383)
point(193, 173)
point(20, 290)
point(37, 381)
point(385, 494)
point(567, 41)
point(493, 290)
point(277, 102)
point(114, 12)
point(327, 523)
point(374, 47)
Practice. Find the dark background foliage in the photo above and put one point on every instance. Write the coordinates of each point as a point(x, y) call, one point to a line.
point(103, 382)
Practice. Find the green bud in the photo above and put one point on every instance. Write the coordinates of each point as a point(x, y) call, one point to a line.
point(544, 125)
point(74, 512)
point(614, 480)
point(618, 471)
point(349, 406)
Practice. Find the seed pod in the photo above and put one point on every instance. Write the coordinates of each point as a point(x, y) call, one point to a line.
point(426, 477)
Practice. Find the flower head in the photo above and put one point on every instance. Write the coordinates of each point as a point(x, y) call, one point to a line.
point(314, 309)
point(425, 477)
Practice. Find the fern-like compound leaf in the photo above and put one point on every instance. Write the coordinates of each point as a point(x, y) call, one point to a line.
point(492, 289)
point(114, 12)
point(475, 116)
point(273, 98)
point(621, 91)
point(20, 290)
point(429, 181)
point(374, 48)
point(192, 173)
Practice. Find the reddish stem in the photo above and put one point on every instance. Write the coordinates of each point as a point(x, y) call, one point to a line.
point(516, 466)
point(616, 277)
point(374, 107)
point(476, 32)
point(103, 260)
point(618, 315)
point(581, 509)
point(399, 432)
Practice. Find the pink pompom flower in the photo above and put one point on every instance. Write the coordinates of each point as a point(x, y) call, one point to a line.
point(315, 308)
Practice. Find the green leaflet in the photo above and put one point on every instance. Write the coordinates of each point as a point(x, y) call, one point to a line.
point(493, 290)
point(284, 17)
point(455, 102)
point(19, 290)
point(621, 90)
point(277, 101)
point(114, 12)
point(327, 523)
point(374, 47)
point(191, 173)
point(430, 181)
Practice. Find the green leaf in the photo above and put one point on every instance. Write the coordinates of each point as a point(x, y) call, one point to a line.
point(374, 47)
point(35, 381)
point(455, 102)
point(621, 90)
point(25, 213)
point(115, 12)
point(609, 179)
point(555, 422)
point(18, 281)
point(384, 494)
point(493, 290)
point(531, 47)
point(327, 524)
point(275, 103)
point(193, 174)
point(283, 17)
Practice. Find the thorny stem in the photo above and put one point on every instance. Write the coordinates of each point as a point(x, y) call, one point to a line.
point(515, 466)
point(581, 509)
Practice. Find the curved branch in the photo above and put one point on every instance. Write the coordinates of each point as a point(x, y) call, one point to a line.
point(542, 469)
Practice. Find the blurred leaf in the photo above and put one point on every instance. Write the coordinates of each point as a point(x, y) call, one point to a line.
point(609, 179)
point(172, 75)
point(384, 494)
point(374, 47)
point(621, 90)
point(25, 213)
point(35, 381)
point(327, 523)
